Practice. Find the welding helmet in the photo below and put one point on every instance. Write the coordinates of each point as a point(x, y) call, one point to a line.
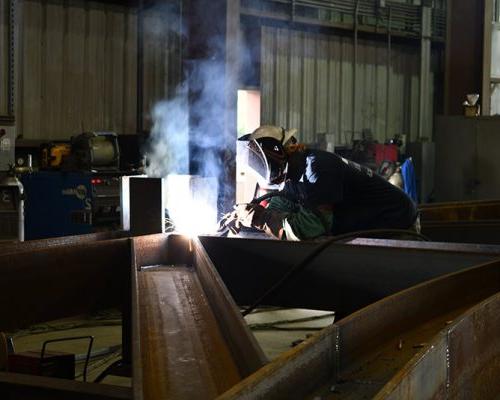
point(266, 152)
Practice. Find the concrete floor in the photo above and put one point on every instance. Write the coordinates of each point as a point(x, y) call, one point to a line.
point(276, 330)
point(105, 327)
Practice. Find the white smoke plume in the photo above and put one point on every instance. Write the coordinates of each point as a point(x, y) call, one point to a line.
point(190, 135)
point(169, 151)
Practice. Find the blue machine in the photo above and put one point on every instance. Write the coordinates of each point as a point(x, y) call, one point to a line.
point(59, 203)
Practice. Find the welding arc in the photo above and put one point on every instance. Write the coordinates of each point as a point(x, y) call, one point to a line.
point(315, 253)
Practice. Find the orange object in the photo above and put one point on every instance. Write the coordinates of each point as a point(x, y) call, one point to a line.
point(53, 154)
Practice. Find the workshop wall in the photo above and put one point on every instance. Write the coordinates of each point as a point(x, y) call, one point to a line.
point(79, 67)
point(4, 57)
point(307, 83)
point(162, 58)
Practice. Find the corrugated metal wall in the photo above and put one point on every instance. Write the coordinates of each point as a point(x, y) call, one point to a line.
point(79, 67)
point(4, 53)
point(162, 57)
point(307, 83)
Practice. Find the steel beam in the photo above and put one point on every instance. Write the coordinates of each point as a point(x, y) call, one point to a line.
point(460, 211)
point(189, 339)
point(357, 356)
point(462, 222)
point(30, 245)
point(425, 84)
point(184, 326)
point(57, 282)
point(408, 244)
point(343, 278)
point(484, 232)
point(467, 354)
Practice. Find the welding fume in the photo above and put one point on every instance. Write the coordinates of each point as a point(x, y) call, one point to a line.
point(314, 193)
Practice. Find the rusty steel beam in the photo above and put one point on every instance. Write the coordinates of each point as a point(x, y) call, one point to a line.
point(30, 245)
point(462, 222)
point(344, 278)
point(189, 339)
point(464, 359)
point(57, 282)
point(29, 387)
point(357, 356)
point(185, 326)
point(482, 232)
point(408, 244)
point(460, 211)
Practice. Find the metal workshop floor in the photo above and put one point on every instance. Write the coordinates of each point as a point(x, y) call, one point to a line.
point(276, 331)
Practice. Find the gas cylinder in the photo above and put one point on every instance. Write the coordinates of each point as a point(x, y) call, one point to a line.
point(11, 208)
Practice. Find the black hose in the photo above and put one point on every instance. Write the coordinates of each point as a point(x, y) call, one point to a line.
point(290, 273)
point(266, 196)
point(316, 252)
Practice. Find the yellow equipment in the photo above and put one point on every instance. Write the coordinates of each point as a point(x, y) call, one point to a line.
point(53, 155)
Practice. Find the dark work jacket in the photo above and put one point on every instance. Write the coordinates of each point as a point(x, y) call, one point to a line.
point(359, 198)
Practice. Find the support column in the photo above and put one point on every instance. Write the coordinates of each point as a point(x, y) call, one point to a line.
point(464, 53)
point(424, 126)
point(487, 39)
point(212, 73)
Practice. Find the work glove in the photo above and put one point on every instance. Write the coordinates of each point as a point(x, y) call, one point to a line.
point(229, 223)
point(244, 214)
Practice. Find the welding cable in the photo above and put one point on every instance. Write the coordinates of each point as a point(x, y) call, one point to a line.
point(315, 253)
point(98, 363)
point(269, 195)
point(289, 274)
point(271, 327)
point(264, 309)
point(45, 328)
point(99, 353)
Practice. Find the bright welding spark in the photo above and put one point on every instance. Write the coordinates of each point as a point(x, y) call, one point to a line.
point(192, 204)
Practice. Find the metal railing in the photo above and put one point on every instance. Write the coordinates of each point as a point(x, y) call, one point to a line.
point(401, 18)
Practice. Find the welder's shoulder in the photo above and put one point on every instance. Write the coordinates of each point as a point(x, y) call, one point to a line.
point(321, 159)
point(322, 163)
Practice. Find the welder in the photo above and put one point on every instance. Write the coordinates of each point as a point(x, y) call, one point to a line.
point(320, 192)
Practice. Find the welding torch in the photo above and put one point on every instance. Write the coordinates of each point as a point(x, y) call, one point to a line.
point(229, 222)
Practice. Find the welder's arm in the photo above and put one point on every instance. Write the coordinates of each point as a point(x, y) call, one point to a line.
point(286, 220)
